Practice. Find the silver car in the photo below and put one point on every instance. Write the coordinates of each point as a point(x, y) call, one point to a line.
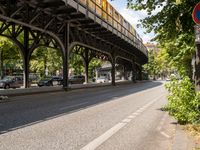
point(11, 82)
point(102, 79)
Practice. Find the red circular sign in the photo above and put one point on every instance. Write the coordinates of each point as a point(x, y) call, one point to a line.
point(196, 13)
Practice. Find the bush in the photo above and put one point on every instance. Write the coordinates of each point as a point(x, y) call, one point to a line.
point(183, 101)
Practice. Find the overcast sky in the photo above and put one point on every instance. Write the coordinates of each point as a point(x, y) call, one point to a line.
point(132, 17)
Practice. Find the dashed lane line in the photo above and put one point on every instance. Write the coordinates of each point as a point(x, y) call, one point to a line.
point(105, 136)
point(164, 134)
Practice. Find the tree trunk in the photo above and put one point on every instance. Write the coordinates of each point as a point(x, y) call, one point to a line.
point(1, 64)
point(45, 66)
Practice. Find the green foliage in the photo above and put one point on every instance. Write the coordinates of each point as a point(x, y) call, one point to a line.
point(95, 63)
point(180, 52)
point(152, 66)
point(172, 22)
point(158, 63)
point(10, 57)
point(45, 58)
point(42, 59)
point(76, 62)
point(183, 102)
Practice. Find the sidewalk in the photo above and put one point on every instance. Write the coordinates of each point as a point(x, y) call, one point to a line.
point(184, 141)
point(46, 89)
point(173, 136)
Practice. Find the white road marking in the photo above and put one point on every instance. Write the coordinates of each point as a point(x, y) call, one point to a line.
point(136, 113)
point(98, 141)
point(131, 117)
point(67, 107)
point(162, 122)
point(164, 134)
point(105, 136)
point(127, 120)
point(140, 111)
point(159, 128)
point(143, 108)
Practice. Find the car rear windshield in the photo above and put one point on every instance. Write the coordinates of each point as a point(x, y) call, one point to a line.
point(8, 78)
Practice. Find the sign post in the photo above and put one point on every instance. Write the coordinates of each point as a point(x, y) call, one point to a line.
point(196, 18)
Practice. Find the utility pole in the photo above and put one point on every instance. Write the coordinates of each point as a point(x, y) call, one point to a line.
point(197, 58)
point(196, 61)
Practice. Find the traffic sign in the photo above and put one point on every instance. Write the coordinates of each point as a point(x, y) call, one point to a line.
point(196, 13)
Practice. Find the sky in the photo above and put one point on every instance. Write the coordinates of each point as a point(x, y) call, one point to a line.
point(132, 17)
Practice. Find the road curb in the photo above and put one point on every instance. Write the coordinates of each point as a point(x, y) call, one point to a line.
point(39, 90)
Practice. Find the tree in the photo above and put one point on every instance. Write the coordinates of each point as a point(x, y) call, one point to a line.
point(43, 59)
point(10, 57)
point(94, 64)
point(165, 66)
point(159, 63)
point(173, 27)
point(76, 63)
point(152, 66)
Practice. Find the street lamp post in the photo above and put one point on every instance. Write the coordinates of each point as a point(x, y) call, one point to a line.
point(196, 61)
point(197, 58)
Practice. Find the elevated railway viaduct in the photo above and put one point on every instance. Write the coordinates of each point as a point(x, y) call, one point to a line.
point(86, 27)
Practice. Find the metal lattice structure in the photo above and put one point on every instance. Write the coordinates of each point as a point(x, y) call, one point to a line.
point(68, 25)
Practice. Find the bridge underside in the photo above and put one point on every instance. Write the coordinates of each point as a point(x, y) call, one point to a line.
point(67, 26)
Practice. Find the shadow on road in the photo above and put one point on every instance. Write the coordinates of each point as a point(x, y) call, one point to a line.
point(24, 111)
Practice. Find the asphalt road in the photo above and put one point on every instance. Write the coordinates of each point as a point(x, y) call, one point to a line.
point(125, 117)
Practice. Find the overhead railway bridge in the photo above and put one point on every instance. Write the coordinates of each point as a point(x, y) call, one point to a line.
point(90, 28)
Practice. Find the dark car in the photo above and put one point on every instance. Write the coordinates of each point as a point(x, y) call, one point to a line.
point(77, 79)
point(50, 81)
point(11, 82)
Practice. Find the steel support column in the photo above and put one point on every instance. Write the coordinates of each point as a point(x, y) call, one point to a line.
point(66, 56)
point(126, 74)
point(123, 72)
point(26, 57)
point(140, 73)
point(86, 64)
point(133, 71)
point(113, 70)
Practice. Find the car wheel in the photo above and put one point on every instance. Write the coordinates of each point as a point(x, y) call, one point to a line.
point(7, 86)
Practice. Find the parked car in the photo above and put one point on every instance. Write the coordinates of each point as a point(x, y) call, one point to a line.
point(77, 79)
point(50, 81)
point(102, 79)
point(11, 82)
